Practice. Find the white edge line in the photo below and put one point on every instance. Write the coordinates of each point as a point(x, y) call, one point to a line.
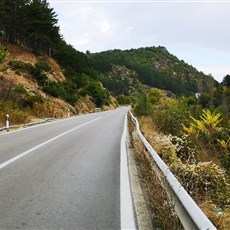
point(44, 143)
point(127, 218)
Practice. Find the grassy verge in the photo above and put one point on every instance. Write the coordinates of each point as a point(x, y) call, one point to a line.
point(205, 181)
point(160, 209)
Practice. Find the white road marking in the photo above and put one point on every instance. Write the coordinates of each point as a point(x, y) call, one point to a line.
point(126, 202)
point(44, 143)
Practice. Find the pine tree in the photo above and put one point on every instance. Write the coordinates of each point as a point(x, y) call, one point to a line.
point(42, 28)
point(29, 22)
point(12, 16)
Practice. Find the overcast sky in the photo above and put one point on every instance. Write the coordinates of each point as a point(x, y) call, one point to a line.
point(196, 31)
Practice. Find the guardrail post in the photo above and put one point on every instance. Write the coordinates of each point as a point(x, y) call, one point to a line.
point(7, 122)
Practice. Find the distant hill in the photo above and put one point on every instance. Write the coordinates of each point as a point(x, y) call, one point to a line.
point(153, 66)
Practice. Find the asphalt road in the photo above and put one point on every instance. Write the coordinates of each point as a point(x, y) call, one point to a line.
point(63, 175)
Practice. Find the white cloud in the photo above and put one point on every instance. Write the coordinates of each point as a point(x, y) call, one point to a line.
point(215, 70)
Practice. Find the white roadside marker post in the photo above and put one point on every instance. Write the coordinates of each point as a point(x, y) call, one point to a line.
point(68, 113)
point(7, 122)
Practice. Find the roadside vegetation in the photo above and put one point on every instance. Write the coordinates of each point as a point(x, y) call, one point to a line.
point(158, 205)
point(194, 142)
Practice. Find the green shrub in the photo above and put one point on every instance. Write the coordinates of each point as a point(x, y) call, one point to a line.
point(40, 71)
point(20, 89)
point(124, 100)
point(99, 94)
point(43, 66)
point(66, 90)
point(54, 89)
point(20, 65)
point(143, 106)
point(169, 115)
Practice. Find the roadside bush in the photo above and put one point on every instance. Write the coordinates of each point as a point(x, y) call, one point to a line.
point(99, 94)
point(124, 100)
point(154, 96)
point(7, 91)
point(143, 106)
point(203, 180)
point(206, 129)
point(225, 149)
point(168, 117)
point(184, 149)
point(167, 150)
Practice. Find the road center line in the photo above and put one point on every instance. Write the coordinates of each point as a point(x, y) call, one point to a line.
point(44, 143)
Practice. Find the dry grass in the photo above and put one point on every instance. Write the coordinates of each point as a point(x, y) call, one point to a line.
point(160, 209)
point(219, 217)
point(16, 117)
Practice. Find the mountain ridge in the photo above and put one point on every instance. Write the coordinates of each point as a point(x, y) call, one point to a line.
point(156, 67)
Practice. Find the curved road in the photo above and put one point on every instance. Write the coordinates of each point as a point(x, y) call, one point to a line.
point(63, 175)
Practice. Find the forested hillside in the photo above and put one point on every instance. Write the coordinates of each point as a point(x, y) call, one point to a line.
point(156, 67)
point(32, 27)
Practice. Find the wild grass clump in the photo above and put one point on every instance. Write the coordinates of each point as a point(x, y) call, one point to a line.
point(16, 116)
point(157, 201)
point(205, 181)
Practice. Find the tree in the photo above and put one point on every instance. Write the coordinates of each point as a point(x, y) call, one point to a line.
point(99, 94)
point(41, 24)
point(226, 81)
point(12, 19)
point(68, 57)
point(29, 22)
point(210, 86)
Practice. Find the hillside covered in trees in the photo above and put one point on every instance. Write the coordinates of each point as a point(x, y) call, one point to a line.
point(157, 68)
point(33, 26)
point(154, 66)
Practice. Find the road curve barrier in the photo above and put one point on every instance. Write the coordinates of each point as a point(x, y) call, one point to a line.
point(190, 215)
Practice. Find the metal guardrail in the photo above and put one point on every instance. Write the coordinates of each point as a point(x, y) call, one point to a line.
point(190, 215)
point(28, 124)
